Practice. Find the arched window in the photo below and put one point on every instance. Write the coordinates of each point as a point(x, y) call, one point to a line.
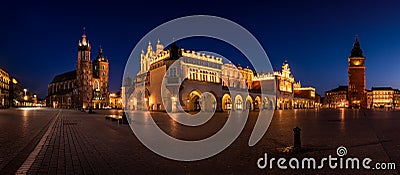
point(96, 84)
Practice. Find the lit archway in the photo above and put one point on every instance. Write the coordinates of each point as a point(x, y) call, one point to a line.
point(249, 103)
point(194, 101)
point(257, 103)
point(147, 99)
point(265, 103)
point(96, 85)
point(226, 102)
point(239, 103)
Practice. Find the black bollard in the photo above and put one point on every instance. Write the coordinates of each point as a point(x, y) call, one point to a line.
point(296, 139)
point(124, 119)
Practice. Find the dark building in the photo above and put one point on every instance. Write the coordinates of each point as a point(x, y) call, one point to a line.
point(17, 93)
point(61, 91)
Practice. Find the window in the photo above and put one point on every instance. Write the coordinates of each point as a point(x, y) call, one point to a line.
point(173, 72)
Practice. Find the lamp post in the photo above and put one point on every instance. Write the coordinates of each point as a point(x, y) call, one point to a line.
point(25, 97)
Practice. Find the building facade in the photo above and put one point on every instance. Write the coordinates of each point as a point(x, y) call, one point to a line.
point(4, 89)
point(197, 81)
point(384, 97)
point(87, 86)
point(115, 100)
point(12, 93)
point(337, 98)
point(357, 95)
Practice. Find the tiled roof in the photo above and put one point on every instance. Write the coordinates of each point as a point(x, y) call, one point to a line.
point(71, 75)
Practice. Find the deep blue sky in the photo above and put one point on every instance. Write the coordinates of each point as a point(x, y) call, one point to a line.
point(39, 39)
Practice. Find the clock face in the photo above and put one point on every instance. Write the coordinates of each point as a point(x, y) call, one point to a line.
point(357, 62)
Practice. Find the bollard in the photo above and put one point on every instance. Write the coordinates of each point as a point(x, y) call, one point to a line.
point(124, 119)
point(90, 110)
point(296, 139)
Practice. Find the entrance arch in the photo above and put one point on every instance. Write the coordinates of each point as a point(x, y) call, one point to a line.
point(238, 103)
point(266, 103)
point(226, 102)
point(208, 102)
point(257, 103)
point(249, 103)
point(194, 101)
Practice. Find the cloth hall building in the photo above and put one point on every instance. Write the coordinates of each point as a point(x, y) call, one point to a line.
point(190, 74)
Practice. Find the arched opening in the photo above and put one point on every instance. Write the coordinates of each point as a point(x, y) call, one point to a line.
point(147, 99)
point(96, 84)
point(249, 103)
point(226, 102)
point(167, 100)
point(238, 102)
point(138, 101)
point(265, 104)
point(272, 103)
point(257, 103)
point(208, 102)
point(194, 101)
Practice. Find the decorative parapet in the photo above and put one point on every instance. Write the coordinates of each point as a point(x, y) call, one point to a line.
point(264, 76)
point(201, 56)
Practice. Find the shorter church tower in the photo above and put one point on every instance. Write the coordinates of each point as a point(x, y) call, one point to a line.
point(100, 81)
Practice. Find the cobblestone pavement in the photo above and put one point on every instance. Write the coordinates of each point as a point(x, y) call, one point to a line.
point(81, 143)
point(20, 130)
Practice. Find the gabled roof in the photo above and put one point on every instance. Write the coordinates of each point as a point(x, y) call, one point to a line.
point(382, 88)
point(71, 75)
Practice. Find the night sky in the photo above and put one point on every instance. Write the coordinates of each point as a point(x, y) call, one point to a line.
point(39, 39)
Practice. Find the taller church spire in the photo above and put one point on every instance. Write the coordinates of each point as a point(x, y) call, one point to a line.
point(84, 42)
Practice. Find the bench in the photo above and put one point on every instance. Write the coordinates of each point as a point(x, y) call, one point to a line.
point(118, 118)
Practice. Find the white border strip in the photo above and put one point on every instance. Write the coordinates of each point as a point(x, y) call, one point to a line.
point(32, 156)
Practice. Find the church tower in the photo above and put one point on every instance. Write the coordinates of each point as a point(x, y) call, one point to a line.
point(100, 81)
point(84, 72)
point(356, 71)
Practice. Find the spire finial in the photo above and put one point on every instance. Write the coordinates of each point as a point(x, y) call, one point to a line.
point(356, 51)
point(101, 50)
point(158, 41)
point(84, 32)
point(356, 37)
